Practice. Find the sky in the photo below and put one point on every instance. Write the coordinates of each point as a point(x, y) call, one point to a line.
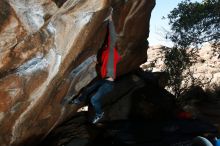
point(158, 27)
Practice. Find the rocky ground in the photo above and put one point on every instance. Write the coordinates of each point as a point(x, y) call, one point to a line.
point(131, 132)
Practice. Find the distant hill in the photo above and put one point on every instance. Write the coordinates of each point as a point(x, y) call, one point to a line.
point(206, 69)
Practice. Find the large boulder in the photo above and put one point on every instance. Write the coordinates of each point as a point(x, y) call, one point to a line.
point(48, 47)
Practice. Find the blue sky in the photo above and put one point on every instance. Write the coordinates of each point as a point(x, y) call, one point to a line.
point(157, 25)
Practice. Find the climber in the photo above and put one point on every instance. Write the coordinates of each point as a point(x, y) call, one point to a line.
point(108, 60)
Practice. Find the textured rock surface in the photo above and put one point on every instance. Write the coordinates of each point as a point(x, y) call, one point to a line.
point(45, 48)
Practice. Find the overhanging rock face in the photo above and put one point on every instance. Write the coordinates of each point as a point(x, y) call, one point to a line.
point(45, 49)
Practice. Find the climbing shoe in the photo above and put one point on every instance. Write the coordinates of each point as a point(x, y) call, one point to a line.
point(98, 118)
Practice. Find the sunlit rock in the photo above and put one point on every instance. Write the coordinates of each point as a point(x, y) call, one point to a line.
point(205, 71)
point(48, 53)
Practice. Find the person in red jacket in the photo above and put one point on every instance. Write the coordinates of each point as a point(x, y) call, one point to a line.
point(108, 60)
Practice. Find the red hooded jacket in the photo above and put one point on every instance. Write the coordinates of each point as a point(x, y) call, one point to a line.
point(105, 56)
